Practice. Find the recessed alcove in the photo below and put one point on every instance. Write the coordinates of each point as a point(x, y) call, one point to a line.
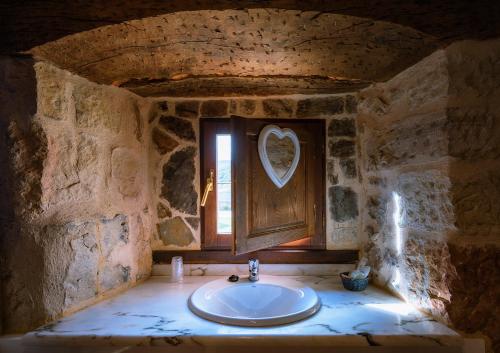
point(103, 123)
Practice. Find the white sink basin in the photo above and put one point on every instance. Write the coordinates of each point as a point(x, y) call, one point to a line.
point(270, 301)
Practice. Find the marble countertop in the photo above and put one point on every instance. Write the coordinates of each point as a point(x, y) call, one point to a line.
point(155, 313)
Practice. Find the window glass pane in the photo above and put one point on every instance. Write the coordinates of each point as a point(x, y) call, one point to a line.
point(223, 184)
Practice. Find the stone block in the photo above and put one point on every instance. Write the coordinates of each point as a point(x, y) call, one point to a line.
point(246, 106)
point(278, 108)
point(342, 148)
point(113, 276)
point(163, 211)
point(181, 128)
point(473, 133)
point(343, 203)
point(425, 201)
point(27, 152)
point(125, 168)
point(351, 104)
point(348, 168)
point(187, 109)
point(194, 222)
point(475, 290)
point(320, 107)
point(427, 272)
point(415, 141)
point(476, 203)
point(175, 232)
point(87, 159)
point(53, 95)
point(81, 277)
point(163, 143)
point(376, 206)
point(71, 260)
point(342, 127)
point(178, 181)
point(233, 106)
point(163, 106)
point(114, 233)
point(70, 173)
point(96, 109)
point(214, 108)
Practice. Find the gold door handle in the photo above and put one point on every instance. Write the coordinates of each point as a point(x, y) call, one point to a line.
point(208, 187)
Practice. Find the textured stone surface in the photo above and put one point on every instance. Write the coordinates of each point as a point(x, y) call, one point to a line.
point(175, 232)
point(343, 203)
point(425, 201)
point(114, 233)
point(348, 167)
point(240, 43)
point(342, 127)
point(163, 211)
point(428, 272)
point(94, 111)
point(214, 108)
point(53, 94)
point(64, 155)
point(163, 143)
point(331, 175)
point(318, 107)
point(178, 179)
point(439, 250)
point(342, 148)
point(163, 106)
point(124, 171)
point(81, 278)
point(180, 127)
point(376, 206)
point(246, 106)
point(475, 291)
point(475, 203)
point(194, 222)
point(278, 108)
point(411, 141)
point(187, 109)
point(351, 104)
point(473, 133)
point(114, 276)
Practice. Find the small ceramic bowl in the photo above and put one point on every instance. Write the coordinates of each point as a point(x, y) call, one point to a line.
point(355, 285)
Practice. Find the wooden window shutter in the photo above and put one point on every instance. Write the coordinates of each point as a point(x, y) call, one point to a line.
point(265, 215)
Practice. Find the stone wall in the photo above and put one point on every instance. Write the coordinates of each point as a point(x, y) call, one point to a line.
point(75, 218)
point(430, 146)
point(175, 161)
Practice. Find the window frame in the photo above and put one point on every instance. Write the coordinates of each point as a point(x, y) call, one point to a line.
point(209, 128)
point(280, 255)
point(210, 240)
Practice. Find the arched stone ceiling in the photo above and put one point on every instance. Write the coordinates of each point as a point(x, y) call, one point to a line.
point(26, 24)
point(261, 51)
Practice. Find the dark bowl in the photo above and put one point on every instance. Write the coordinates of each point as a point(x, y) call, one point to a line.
point(355, 285)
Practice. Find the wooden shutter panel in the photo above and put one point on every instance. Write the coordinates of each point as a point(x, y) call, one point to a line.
point(264, 215)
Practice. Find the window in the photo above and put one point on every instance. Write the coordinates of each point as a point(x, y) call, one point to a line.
point(263, 215)
point(223, 183)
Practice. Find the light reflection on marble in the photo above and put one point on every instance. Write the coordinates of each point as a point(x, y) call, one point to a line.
point(156, 313)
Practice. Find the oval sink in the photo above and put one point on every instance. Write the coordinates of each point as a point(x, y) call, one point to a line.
point(270, 301)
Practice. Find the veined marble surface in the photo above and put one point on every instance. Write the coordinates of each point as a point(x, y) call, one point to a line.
point(154, 317)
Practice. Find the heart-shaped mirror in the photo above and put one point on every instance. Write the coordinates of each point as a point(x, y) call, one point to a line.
point(279, 152)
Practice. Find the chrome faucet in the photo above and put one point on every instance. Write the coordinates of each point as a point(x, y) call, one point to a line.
point(253, 269)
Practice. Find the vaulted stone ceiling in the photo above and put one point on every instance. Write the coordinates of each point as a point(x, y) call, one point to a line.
point(203, 48)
